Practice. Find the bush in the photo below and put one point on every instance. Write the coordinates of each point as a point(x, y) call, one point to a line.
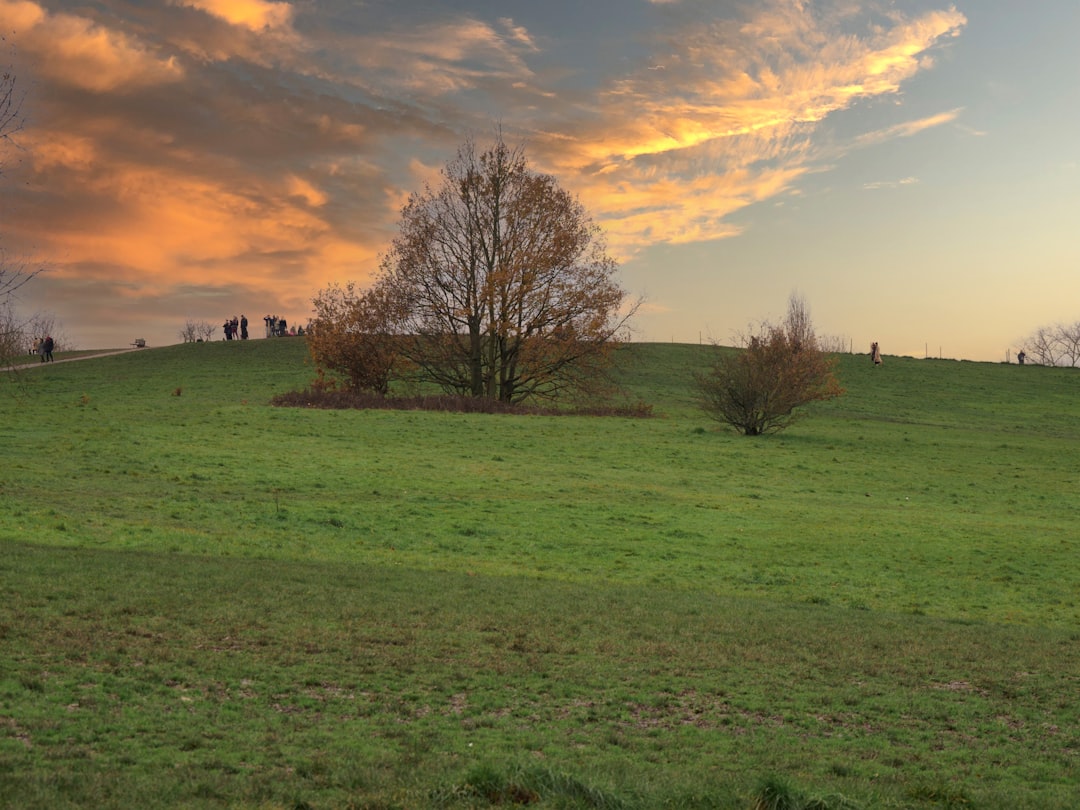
point(757, 388)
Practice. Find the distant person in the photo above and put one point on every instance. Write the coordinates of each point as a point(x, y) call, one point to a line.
point(1020, 358)
point(47, 346)
point(875, 353)
point(243, 327)
point(227, 326)
point(269, 321)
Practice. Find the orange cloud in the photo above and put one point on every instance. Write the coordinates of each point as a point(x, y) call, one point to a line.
point(255, 15)
point(727, 117)
point(153, 226)
point(81, 53)
point(302, 189)
point(283, 183)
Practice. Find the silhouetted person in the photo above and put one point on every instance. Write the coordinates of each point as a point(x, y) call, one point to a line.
point(243, 327)
point(1020, 358)
point(875, 353)
point(47, 349)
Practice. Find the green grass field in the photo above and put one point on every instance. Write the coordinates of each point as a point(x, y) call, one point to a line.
point(206, 601)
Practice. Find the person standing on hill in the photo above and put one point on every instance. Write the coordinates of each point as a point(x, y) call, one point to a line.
point(243, 327)
point(47, 349)
point(875, 353)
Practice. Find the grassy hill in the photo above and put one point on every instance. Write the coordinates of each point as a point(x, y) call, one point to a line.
point(207, 601)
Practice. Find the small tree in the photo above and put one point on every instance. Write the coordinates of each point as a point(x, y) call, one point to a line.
point(1068, 340)
point(12, 338)
point(354, 332)
point(1044, 346)
point(195, 331)
point(757, 387)
point(45, 324)
point(189, 332)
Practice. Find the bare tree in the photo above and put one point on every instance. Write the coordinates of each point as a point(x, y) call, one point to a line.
point(504, 282)
point(1044, 346)
point(196, 331)
point(188, 332)
point(776, 369)
point(13, 272)
point(834, 344)
point(12, 338)
point(45, 324)
point(11, 98)
point(1068, 342)
point(17, 334)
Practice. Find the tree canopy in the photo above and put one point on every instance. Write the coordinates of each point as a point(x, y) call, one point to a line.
point(498, 286)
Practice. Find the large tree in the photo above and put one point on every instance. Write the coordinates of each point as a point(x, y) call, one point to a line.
point(503, 281)
point(11, 119)
point(13, 274)
point(778, 368)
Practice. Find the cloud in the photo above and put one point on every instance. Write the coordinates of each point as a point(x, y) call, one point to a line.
point(260, 146)
point(443, 57)
point(731, 119)
point(904, 181)
point(907, 128)
point(978, 133)
point(79, 52)
point(254, 15)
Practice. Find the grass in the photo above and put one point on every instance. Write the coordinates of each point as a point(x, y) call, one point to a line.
point(209, 602)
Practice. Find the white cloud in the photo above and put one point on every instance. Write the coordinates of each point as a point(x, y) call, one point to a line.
point(908, 128)
point(904, 181)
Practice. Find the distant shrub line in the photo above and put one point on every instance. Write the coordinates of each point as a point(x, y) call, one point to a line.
point(361, 400)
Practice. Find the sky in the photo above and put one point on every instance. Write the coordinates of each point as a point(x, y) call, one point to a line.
point(908, 167)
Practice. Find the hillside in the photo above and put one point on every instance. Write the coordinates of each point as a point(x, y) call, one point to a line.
point(386, 609)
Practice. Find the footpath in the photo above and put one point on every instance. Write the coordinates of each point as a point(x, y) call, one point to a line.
point(91, 356)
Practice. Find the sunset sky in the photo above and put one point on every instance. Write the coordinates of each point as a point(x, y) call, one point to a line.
point(909, 167)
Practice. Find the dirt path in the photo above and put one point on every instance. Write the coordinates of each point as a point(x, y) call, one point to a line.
point(37, 363)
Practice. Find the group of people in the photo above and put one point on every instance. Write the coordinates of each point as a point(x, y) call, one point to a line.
point(43, 348)
point(277, 327)
point(236, 329)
